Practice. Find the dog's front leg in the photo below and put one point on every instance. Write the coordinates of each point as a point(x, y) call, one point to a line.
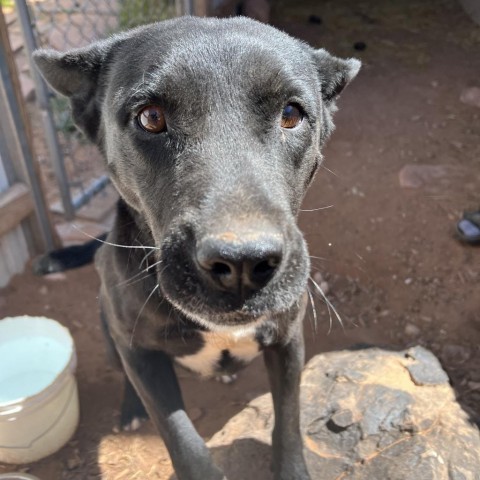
point(153, 377)
point(284, 365)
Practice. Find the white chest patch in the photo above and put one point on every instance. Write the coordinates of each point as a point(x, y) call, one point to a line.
point(241, 345)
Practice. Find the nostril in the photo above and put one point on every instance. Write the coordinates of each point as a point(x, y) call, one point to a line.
point(220, 269)
point(265, 269)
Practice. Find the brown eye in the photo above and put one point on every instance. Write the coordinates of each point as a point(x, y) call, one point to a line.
point(152, 119)
point(292, 116)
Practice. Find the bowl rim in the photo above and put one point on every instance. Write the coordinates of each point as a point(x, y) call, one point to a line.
point(17, 476)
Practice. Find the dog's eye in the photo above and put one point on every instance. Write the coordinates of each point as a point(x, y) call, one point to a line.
point(152, 119)
point(292, 116)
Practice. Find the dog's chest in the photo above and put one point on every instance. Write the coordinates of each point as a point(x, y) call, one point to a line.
point(222, 352)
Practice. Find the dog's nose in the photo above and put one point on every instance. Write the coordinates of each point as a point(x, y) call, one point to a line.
point(240, 263)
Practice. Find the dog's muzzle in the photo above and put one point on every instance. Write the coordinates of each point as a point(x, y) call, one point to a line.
point(235, 273)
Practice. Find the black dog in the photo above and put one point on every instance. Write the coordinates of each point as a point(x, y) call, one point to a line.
point(211, 130)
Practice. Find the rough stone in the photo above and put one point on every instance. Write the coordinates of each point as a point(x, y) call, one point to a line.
point(471, 96)
point(454, 354)
point(416, 176)
point(424, 368)
point(365, 414)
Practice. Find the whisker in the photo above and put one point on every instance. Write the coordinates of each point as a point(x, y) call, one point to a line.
point(359, 256)
point(130, 252)
point(329, 305)
point(153, 265)
point(328, 170)
point(145, 258)
point(318, 258)
point(313, 310)
point(124, 282)
point(131, 281)
point(140, 243)
point(316, 209)
point(109, 243)
point(140, 312)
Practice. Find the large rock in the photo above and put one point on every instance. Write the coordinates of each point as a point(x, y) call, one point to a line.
point(368, 414)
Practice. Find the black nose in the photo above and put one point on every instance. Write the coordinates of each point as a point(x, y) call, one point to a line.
point(240, 263)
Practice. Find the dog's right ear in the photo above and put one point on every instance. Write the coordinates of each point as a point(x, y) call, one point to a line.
point(335, 73)
point(76, 75)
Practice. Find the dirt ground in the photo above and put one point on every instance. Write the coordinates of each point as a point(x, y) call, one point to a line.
point(396, 273)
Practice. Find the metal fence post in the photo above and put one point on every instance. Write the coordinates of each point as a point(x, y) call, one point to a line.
point(11, 106)
point(46, 112)
point(186, 7)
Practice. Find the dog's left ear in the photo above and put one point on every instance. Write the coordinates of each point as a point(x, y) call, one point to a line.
point(76, 75)
point(335, 73)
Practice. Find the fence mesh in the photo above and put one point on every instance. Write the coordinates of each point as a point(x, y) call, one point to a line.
point(65, 24)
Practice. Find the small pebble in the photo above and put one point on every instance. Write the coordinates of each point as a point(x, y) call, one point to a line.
point(471, 96)
point(324, 287)
point(412, 330)
point(55, 277)
point(73, 463)
point(317, 276)
point(226, 379)
point(455, 354)
point(195, 413)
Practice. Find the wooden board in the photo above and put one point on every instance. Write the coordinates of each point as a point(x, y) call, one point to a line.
point(15, 205)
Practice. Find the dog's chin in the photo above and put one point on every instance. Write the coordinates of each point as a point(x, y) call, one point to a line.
point(221, 322)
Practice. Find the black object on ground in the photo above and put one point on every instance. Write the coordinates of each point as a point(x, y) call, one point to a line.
point(360, 46)
point(68, 257)
point(315, 19)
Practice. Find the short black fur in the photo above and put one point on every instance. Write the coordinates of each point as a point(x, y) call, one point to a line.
point(205, 204)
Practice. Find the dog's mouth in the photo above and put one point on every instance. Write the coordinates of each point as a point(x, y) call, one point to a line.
point(218, 293)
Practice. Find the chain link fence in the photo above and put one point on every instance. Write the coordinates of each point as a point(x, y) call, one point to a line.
point(65, 24)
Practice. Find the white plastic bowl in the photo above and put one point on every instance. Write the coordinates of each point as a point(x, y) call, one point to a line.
point(39, 409)
point(17, 476)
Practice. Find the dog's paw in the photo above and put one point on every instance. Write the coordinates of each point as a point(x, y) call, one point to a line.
point(132, 426)
point(226, 379)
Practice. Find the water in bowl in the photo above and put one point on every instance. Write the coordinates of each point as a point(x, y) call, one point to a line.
point(28, 365)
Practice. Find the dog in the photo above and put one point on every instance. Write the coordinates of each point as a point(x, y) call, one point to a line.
point(211, 132)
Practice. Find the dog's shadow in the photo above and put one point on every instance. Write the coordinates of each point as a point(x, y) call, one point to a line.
point(243, 459)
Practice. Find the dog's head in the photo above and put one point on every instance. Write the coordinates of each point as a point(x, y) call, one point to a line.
point(211, 130)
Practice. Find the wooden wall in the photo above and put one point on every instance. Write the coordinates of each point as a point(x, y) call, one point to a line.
point(13, 245)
